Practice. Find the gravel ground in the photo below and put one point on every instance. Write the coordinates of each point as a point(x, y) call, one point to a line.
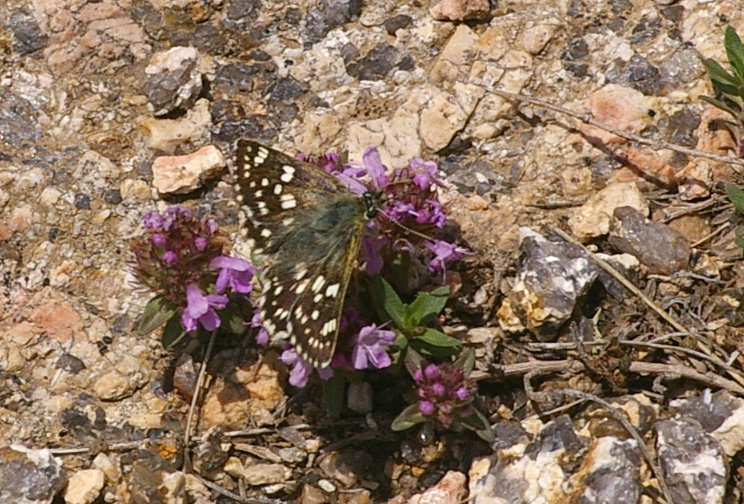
point(100, 99)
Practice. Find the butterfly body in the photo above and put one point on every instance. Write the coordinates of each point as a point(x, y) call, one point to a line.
point(309, 227)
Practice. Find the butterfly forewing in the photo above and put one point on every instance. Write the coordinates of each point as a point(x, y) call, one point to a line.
point(309, 226)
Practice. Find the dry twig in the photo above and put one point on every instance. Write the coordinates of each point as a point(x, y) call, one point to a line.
point(588, 119)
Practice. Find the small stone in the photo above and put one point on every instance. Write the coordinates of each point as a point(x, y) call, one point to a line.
point(450, 490)
point(183, 174)
point(70, 363)
point(326, 486)
point(29, 476)
point(637, 73)
point(681, 68)
point(593, 218)
point(27, 36)
point(396, 23)
point(167, 134)
point(376, 64)
point(481, 335)
point(339, 467)
point(360, 397)
point(235, 78)
point(174, 80)
point(82, 201)
point(105, 464)
point(264, 474)
point(655, 244)
point(619, 106)
point(460, 10)
point(535, 38)
point(313, 495)
point(126, 376)
point(552, 276)
point(292, 455)
point(112, 196)
point(84, 486)
point(446, 114)
point(682, 127)
point(692, 461)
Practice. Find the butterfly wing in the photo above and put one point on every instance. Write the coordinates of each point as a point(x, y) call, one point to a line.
point(310, 227)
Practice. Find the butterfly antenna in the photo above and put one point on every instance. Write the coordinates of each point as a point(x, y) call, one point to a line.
point(406, 228)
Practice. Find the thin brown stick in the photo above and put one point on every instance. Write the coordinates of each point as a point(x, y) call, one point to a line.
point(588, 119)
point(637, 292)
point(536, 368)
point(230, 495)
point(720, 229)
point(711, 379)
point(192, 408)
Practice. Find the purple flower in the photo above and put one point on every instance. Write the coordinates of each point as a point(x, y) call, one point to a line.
point(427, 408)
point(368, 350)
point(444, 252)
point(444, 390)
point(262, 338)
point(418, 375)
point(425, 173)
point(352, 184)
point(301, 370)
point(462, 394)
point(371, 247)
point(153, 221)
point(200, 243)
point(159, 239)
point(375, 169)
point(235, 272)
point(431, 372)
point(170, 257)
point(201, 309)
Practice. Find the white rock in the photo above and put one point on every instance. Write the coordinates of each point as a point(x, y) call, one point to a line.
point(84, 486)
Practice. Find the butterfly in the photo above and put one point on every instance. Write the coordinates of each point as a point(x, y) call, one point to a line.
point(309, 226)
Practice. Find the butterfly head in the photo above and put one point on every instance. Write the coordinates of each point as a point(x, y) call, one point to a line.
point(372, 202)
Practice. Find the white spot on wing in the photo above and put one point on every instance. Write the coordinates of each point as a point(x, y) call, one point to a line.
point(318, 283)
point(332, 290)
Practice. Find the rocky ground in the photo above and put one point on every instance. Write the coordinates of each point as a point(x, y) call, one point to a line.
point(111, 108)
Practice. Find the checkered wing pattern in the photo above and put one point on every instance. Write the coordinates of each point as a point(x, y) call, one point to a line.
point(309, 227)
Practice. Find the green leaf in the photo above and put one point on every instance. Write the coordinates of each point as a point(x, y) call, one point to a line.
point(466, 360)
point(157, 312)
point(426, 306)
point(739, 242)
point(438, 339)
point(734, 51)
point(723, 106)
point(719, 74)
point(408, 418)
point(386, 297)
point(479, 424)
point(413, 361)
point(173, 332)
point(739, 238)
point(736, 196)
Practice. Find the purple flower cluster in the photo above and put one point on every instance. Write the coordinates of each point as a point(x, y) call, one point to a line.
point(175, 251)
point(369, 350)
point(445, 392)
point(412, 204)
point(180, 257)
